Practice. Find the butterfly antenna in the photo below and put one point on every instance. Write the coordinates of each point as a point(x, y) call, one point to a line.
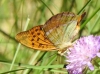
point(81, 17)
point(83, 14)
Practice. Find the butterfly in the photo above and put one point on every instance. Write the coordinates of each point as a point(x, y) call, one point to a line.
point(56, 34)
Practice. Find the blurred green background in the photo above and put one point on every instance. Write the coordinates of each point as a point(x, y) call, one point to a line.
point(13, 17)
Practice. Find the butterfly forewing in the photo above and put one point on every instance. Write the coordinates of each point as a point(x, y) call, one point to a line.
point(35, 38)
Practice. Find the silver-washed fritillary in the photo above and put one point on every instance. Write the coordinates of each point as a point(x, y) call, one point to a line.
point(56, 34)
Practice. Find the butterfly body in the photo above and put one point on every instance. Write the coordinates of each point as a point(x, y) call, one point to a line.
point(56, 34)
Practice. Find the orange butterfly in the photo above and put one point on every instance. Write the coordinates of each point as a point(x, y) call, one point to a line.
point(56, 34)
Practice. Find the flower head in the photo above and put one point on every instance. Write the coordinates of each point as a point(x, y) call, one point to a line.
point(81, 54)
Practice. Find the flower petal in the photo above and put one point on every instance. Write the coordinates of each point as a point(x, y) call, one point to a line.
point(81, 54)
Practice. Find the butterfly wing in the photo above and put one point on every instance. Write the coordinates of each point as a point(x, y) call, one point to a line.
point(62, 28)
point(35, 38)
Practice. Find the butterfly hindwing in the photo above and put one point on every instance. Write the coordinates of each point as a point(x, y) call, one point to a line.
point(62, 28)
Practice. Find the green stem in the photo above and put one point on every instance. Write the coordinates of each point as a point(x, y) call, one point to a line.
point(47, 7)
point(18, 47)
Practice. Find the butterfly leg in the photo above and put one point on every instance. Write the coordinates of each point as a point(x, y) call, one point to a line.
point(62, 52)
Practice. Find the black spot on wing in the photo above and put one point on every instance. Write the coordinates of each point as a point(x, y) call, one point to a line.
point(34, 36)
point(32, 39)
point(38, 39)
point(38, 33)
point(32, 33)
point(36, 30)
point(33, 44)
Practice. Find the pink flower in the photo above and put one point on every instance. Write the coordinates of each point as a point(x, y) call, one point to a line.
point(81, 54)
